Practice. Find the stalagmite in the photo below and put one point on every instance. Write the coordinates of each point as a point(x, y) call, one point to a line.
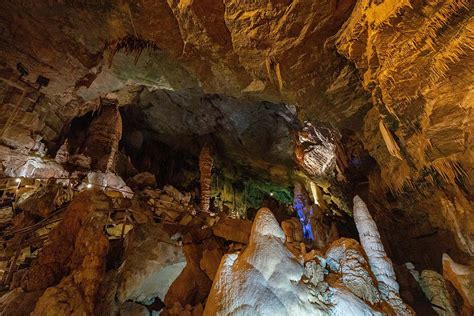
point(205, 167)
point(62, 156)
point(379, 262)
point(390, 142)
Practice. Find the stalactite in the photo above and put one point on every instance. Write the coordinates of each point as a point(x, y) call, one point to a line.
point(205, 167)
point(130, 44)
point(449, 170)
point(390, 142)
point(379, 262)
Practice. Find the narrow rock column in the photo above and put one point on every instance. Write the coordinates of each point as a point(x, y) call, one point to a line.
point(103, 139)
point(379, 262)
point(205, 167)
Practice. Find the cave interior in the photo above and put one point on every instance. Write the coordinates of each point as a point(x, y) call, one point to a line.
point(236, 157)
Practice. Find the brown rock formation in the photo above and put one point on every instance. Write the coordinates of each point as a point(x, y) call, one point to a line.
point(205, 168)
point(103, 138)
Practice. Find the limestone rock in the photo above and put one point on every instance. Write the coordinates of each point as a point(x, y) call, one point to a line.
point(346, 256)
point(81, 161)
point(315, 150)
point(33, 167)
point(292, 229)
point(18, 302)
point(62, 155)
point(108, 181)
point(434, 287)
point(133, 309)
point(70, 247)
point(142, 180)
point(379, 262)
point(265, 278)
point(152, 263)
point(76, 293)
point(462, 278)
point(192, 285)
point(237, 230)
point(211, 257)
point(103, 138)
point(41, 201)
point(6, 214)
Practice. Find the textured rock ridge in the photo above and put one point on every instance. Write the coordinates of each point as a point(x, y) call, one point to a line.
point(379, 262)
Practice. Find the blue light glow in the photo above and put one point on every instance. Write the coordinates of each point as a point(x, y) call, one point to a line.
point(304, 218)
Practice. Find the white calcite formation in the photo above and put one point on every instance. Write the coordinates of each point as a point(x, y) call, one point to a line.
point(379, 262)
point(345, 256)
point(316, 150)
point(267, 279)
point(33, 167)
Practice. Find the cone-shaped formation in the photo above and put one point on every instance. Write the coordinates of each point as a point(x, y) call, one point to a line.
point(205, 167)
point(267, 279)
point(380, 264)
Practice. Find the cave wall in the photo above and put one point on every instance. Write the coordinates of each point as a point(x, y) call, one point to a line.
point(396, 73)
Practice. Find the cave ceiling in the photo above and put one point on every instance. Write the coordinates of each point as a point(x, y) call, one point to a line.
point(396, 74)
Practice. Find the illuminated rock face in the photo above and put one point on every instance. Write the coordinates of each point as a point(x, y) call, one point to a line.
point(315, 150)
point(380, 263)
point(266, 278)
point(153, 262)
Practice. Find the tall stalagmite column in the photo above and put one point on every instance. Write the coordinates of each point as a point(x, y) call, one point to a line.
point(205, 168)
point(379, 262)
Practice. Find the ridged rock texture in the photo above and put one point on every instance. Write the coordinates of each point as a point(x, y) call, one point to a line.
point(395, 75)
point(380, 263)
point(205, 168)
point(266, 278)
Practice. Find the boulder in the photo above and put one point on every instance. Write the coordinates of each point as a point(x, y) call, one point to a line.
point(192, 285)
point(232, 229)
point(133, 309)
point(80, 160)
point(152, 263)
point(17, 302)
point(33, 167)
point(142, 180)
point(108, 181)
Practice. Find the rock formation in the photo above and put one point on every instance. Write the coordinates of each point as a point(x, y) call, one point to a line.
point(462, 278)
point(147, 272)
point(104, 106)
point(205, 167)
point(434, 287)
point(379, 262)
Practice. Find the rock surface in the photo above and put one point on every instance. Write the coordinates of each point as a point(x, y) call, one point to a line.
point(462, 278)
point(152, 263)
point(267, 278)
